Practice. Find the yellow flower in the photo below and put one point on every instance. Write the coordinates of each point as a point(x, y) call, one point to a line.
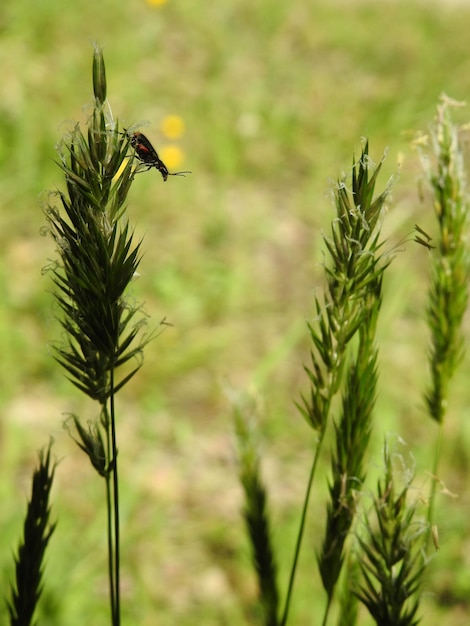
point(156, 3)
point(172, 156)
point(172, 126)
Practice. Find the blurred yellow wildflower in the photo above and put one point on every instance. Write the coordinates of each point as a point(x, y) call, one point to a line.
point(156, 3)
point(172, 156)
point(172, 126)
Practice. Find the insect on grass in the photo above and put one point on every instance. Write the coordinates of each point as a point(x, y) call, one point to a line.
point(147, 155)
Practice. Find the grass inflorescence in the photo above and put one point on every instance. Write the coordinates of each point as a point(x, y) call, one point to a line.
point(381, 555)
point(98, 259)
point(37, 531)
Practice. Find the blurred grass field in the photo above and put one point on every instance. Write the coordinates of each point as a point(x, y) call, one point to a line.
point(275, 98)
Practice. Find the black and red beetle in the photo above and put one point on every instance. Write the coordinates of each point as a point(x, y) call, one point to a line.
point(147, 155)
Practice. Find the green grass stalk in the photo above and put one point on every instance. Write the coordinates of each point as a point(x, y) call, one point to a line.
point(450, 268)
point(115, 510)
point(345, 325)
point(300, 534)
point(98, 259)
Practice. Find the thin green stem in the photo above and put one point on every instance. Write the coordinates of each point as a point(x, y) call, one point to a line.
point(109, 510)
point(327, 609)
point(112, 505)
point(301, 531)
point(115, 492)
point(435, 470)
point(110, 549)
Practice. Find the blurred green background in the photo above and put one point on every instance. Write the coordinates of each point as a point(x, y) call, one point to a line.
point(275, 97)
